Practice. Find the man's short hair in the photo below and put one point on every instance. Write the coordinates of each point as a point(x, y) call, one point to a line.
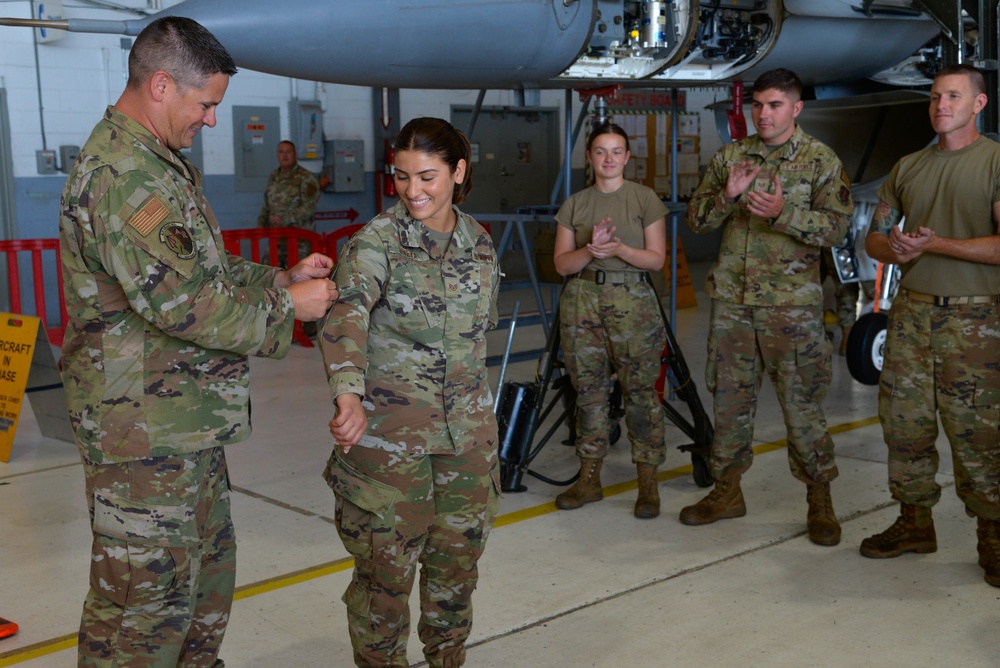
point(289, 142)
point(181, 47)
point(975, 76)
point(782, 79)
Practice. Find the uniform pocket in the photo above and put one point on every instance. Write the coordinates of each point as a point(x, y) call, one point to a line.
point(986, 435)
point(364, 509)
point(142, 551)
point(411, 300)
point(357, 600)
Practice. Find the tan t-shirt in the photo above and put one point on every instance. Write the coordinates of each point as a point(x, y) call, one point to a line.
point(952, 193)
point(632, 208)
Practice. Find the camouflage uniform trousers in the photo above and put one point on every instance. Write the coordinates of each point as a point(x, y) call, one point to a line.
point(163, 570)
point(942, 360)
point(790, 345)
point(620, 325)
point(395, 510)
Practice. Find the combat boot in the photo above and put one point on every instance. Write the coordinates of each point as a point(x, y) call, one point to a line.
point(587, 487)
point(913, 531)
point(723, 502)
point(824, 529)
point(647, 504)
point(988, 532)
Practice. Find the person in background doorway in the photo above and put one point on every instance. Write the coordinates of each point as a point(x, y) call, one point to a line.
point(415, 467)
point(290, 198)
point(154, 361)
point(608, 237)
point(782, 198)
point(943, 335)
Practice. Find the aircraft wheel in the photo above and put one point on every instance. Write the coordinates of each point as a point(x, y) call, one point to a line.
point(865, 348)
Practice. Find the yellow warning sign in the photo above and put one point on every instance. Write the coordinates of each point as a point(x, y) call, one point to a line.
point(17, 344)
point(685, 287)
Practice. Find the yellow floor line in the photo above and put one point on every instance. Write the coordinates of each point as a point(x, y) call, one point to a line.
point(67, 642)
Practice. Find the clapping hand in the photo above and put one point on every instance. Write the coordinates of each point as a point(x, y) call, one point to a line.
point(603, 242)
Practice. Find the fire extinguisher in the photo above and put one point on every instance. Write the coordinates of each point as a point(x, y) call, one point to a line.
point(388, 181)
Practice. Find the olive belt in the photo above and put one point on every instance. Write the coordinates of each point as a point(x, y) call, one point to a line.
point(601, 276)
point(937, 300)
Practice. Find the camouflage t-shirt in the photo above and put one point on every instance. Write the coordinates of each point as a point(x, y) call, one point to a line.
point(774, 262)
point(161, 318)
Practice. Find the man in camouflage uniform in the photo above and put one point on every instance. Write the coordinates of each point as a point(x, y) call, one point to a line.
point(943, 334)
point(782, 196)
point(417, 481)
point(161, 321)
point(290, 199)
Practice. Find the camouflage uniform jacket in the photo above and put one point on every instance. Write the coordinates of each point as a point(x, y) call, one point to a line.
point(774, 262)
point(408, 333)
point(161, 318)
point(293, 195)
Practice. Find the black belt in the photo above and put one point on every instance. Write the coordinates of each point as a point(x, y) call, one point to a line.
point(602, 277)
point(938, 300)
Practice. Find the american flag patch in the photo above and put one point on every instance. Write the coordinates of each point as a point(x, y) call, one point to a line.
point(149, 216)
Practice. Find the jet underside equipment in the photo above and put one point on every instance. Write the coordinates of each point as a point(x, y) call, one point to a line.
point(525, 44)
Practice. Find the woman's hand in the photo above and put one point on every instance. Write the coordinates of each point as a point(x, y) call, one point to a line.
point(351, 421)
point(603, 242)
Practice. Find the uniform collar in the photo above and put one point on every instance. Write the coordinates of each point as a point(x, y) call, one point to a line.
point(149, 141)
point(411, 231)
point(787, 150)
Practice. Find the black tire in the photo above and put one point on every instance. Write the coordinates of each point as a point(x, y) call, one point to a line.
point(699, 471)
point(865, 347)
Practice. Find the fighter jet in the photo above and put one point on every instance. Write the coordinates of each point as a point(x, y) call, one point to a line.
point(532, 44)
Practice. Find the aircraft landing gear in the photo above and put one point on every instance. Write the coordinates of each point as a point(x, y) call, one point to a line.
point(865, 348)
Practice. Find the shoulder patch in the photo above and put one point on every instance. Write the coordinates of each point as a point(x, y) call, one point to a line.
point(176, 237)
point(149, 216)
point(844, 195)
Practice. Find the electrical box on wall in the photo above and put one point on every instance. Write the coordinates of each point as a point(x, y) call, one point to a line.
point(305, 119)
point(46, 160)
point(67, 157)
point(345, 165)
point(256, 132)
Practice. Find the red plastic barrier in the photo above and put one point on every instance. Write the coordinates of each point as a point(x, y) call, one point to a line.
point(334, 240)
point(233, 239)
point(290, 235)
point(10, 250)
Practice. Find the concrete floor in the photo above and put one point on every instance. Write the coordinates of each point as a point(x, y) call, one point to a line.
point(590, 587)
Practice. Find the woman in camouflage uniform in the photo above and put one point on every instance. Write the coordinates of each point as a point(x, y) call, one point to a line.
point(608, 237)
point(414, 468)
